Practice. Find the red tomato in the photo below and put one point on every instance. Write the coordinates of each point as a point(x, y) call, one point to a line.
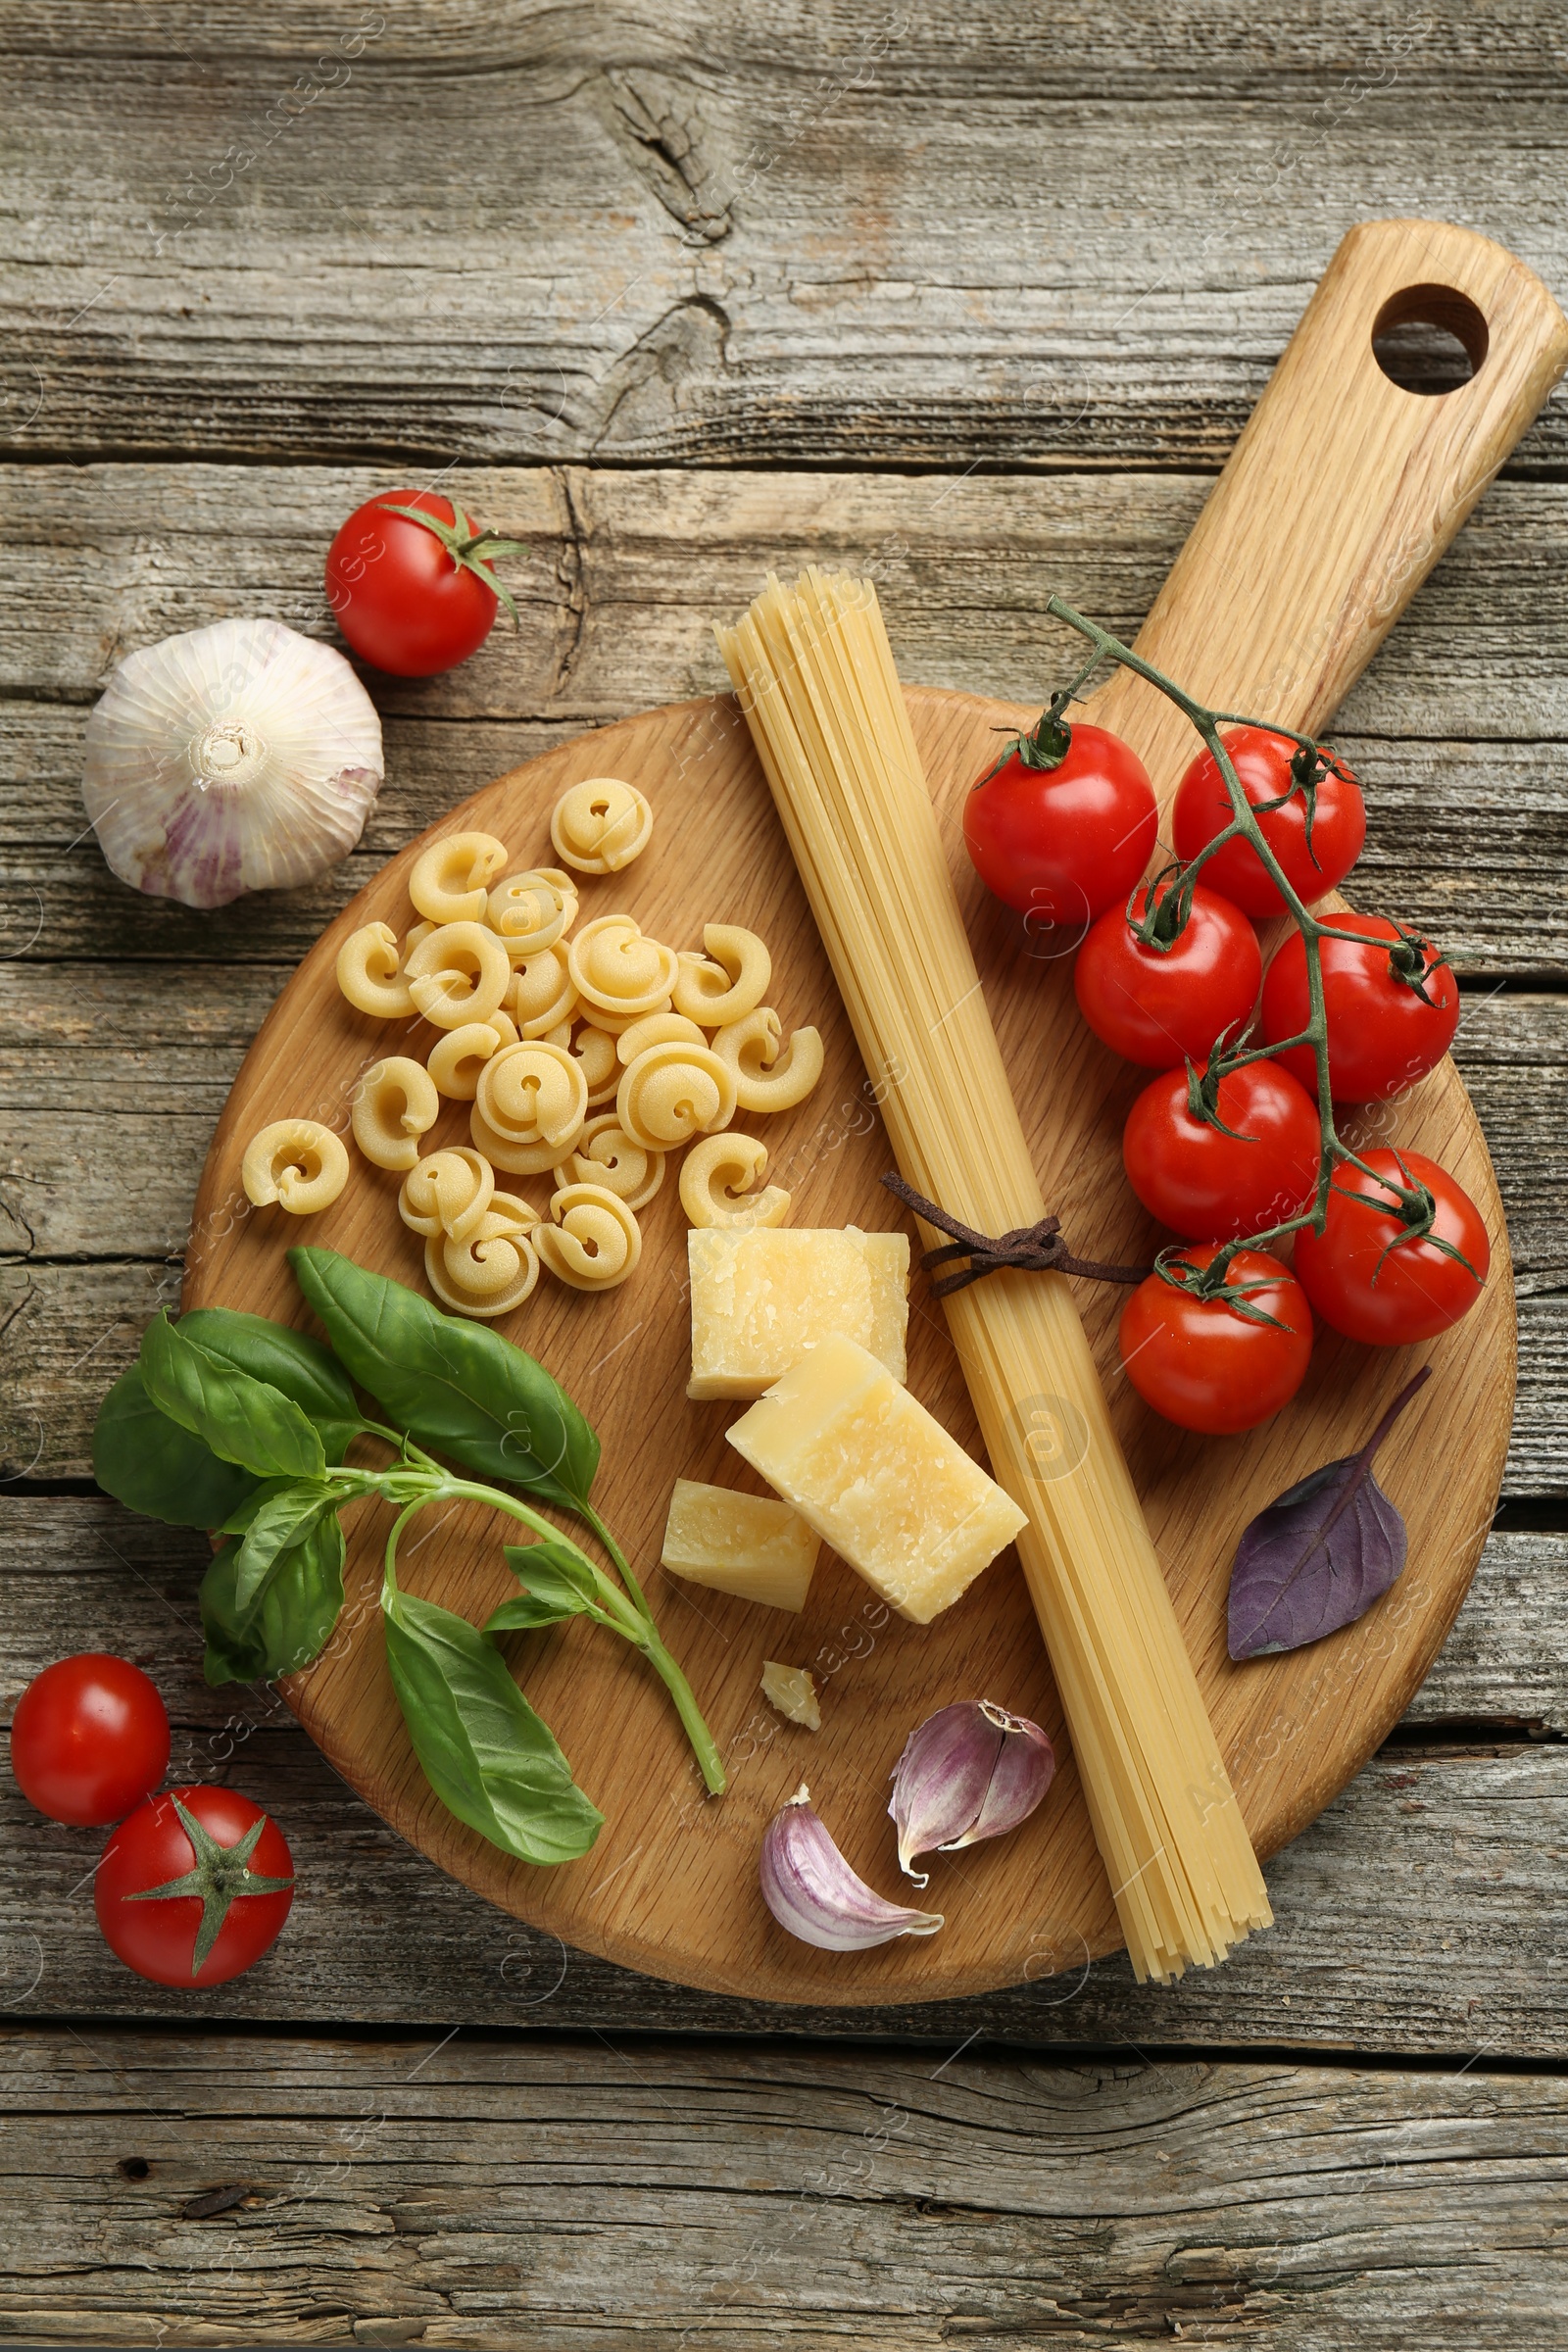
point(1204, 1366)
point(89, 1738)
point(1211, 1186)
point(1384, 1032)
point(1064, 843)
point(1374, 1286)
point(411, 599)
point(195, 1887)
point(1163, 1010)
point(1263, 763)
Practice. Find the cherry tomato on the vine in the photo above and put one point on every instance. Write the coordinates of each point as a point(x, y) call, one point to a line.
point(1391, 1007)
point(89, 1738)
point(1204, 1366)
point(1315, 863)
point(1164, 1009)
point(1211, 1186)
point(1064, 843)
point(195, 1887)
point(1371, 1277)
point(414, 597)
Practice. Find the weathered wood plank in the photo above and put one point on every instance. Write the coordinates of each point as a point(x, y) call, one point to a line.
point(492, 2192)
point(1463, 1947)
point(786, 237)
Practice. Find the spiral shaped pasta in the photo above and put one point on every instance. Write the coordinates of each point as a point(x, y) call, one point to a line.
point(531, 1103)
point(594, 1241)
point(594, 1051)
point(606, 1154)
point(458, 972)
point(533, 910)
point(456, 1058)
point(602, 825)
point(367, 973)
point(542, 993)
point(764, 1081)
point(449, 1193)
point(450, 880)
point(728, 980)
point(495, 1269)
point(394, 1103)
point(298, 1163)
point(716, 1180)
point(618, 971)
point(673, 1091)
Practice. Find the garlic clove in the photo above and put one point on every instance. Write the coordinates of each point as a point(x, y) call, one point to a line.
point(238, 757)
point(814, 1894)
point(968, 1771)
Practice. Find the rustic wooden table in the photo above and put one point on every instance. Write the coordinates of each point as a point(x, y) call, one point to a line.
point(673, 294)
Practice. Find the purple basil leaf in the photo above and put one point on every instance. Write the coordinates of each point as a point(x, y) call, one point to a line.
point(1321, 1553)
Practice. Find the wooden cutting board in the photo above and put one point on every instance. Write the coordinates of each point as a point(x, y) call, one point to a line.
point(1338, 498)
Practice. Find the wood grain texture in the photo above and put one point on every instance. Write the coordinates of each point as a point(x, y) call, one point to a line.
point(180, 2189)
point(671, 1888)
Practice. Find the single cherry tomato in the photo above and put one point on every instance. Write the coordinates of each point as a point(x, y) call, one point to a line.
point(1315, 861)
point(1212, 1186)
point(195, 1887)
point(416, 597)
point(89, 1738)
point(1391, 1007)
point(1372, 1276)
point(1203, 1365)
point(1164, 1009)
point(1062, 842)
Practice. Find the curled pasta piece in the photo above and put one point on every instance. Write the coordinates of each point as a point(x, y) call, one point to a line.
point(673, 1091)
point(716, 1180)
point(726, 982)
point(657, 1029)
point(449, 1193)
point(621, 972)
point(395, 1103)
point(542, 993)
point(456, 1057)
point(602, 825)
point(459, 972)
point(763, 1080)
point(534, 1095)
point(594, 1241)
point(533, 910)
point(450, 879)
point(367, 973)
point(413, 936)
point(606, 1154)
point(494, 1268)
point(594, 1052)
point(298, 1163)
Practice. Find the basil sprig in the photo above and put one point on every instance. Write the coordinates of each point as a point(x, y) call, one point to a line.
point(232, 1422)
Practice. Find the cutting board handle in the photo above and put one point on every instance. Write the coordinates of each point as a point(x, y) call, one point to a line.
point(1344, 489)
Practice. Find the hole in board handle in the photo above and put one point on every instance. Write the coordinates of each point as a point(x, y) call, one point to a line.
point(1429, 339)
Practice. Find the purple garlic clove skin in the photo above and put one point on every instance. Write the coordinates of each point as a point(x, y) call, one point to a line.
point(968, 1771)
point(814, 1894)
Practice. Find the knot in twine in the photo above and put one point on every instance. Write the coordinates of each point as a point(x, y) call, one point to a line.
point(1040, 1248)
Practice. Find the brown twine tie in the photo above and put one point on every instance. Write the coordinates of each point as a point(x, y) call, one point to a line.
point(1028, 1250)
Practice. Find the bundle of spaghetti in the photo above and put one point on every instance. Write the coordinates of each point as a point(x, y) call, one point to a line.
point(814, 674)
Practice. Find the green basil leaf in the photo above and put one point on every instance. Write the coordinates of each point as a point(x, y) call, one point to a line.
point(153, 1465)
point(244, 1420)
point(559, 1582)
point(455, 1386)
point(288, 1618)
point(261, 1492)
point(288, 1360)
point(484, 1752)
point(284, 1520)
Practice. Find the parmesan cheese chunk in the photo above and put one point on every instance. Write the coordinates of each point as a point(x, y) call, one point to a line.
point(878, 1478)
point(746, 1544)
point(761, 1296)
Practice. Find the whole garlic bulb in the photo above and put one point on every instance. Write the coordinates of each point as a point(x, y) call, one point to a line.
point(240, 757)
